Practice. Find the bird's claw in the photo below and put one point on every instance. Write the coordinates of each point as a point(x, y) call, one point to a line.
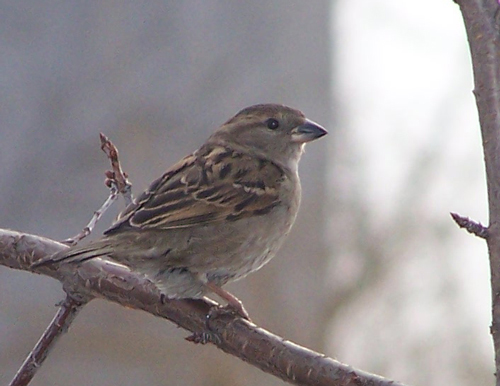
point(203, 337)
point(230, 310)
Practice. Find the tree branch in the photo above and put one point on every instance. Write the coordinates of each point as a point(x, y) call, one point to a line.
point(481, 19)
point(475, 228)
point(68, 310)
point(117, 182)
point(116, 176)
point(236, 336)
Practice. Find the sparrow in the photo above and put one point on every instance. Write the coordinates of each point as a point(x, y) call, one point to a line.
point(217, 214)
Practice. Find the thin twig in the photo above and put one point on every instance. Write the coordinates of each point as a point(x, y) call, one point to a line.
point(476, 228)
point(117, 182)
point(116, 175)
point(67, 312)
point(113, 195)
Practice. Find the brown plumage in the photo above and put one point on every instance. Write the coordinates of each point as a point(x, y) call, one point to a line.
point(216, 215)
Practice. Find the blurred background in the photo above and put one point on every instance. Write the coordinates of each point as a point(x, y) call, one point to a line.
point(374, 273)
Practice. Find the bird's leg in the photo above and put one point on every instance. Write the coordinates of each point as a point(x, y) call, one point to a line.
point(232, 301)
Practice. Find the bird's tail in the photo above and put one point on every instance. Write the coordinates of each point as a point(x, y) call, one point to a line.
point(76, 254)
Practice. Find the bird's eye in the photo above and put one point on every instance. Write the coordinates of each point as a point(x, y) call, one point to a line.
point(272, 124)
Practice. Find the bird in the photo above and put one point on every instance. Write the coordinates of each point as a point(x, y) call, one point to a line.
point(218, 214)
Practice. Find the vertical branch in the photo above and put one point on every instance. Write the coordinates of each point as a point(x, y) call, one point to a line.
point(481, 19)
point(67, 312)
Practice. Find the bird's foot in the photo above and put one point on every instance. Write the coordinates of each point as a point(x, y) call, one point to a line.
point(210, 335)
point(234, 305)
point(229, 310)
point(204, 337)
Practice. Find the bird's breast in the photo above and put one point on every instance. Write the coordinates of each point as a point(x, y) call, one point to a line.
point(250, 244)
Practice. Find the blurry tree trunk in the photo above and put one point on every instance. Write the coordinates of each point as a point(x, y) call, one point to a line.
point(482, 24)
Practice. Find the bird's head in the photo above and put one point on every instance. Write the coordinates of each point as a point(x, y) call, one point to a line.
point(273, 131)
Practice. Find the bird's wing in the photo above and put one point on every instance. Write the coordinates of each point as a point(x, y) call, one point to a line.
point(214, 184)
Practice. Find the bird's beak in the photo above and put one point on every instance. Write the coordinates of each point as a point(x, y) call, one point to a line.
point(307, 132)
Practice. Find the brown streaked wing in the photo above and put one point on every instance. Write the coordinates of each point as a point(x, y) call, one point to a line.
point(123, 220)
point(215, 184)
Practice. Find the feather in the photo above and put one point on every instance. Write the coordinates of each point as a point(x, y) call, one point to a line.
point(214, 184)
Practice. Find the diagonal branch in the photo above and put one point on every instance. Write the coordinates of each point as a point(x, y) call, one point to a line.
point(117, 182)
point(67, 312)
point(238, 337)
point(475, 228)
point(87, 230)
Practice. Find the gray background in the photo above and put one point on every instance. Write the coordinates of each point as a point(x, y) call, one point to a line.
point(157, 77)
